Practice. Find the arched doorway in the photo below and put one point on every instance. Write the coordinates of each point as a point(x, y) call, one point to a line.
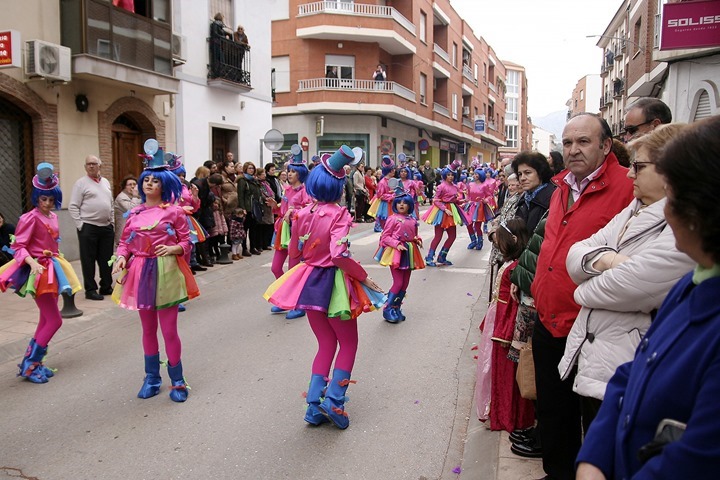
point(16, 161)
point(126, 145)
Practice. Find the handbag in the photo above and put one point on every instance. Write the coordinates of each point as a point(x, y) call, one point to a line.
point(525, 375)
point(257, 211)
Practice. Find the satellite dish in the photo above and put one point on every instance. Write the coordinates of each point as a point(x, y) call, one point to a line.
point(151, 146)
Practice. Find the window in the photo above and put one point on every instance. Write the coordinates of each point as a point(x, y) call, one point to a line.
point(158, 10)
point(423, 27)
point(224, 7)
point(658, 24)
point(281, 65)
point(454, 106)
point(345, 67)
point(484, 72)
point(511, 109)
point(423, 89)
point(636, 36)
point(475, 72)
point(511, 133)
point(582, 92)
point(454, 54)
point(513, 82)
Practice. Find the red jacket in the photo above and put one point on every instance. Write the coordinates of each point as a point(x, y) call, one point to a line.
point(602, 199)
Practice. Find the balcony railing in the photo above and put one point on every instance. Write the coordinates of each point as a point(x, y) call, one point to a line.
point(467, 122)
point(618, 88)
point(437, 108)
point(358, 9)
point(492, 126)
point(229, 61)
point(492, 87)
point(467, 73)
point(352, 85)
point(441, 53)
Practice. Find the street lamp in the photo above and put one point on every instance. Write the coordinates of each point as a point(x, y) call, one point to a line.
point(617, 38)
point(273, 140)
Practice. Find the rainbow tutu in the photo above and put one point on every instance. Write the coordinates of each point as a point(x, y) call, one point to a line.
point(378, 209)
point(435, 216)
point(154, 283)
point(478, 212)
point(197, 232)
point(410, 259)
point(324, 289)
point(57, 278)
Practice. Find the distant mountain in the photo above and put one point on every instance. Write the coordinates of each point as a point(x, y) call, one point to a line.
point(552, 122)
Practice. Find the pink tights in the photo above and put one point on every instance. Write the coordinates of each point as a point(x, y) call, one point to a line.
point(50, 319)
point(401, 280)
point(168, 325)
point(277, 262)
point(475, 228)
point(329, 333)
point(452, 233)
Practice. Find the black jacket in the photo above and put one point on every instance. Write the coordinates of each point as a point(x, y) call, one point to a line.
point(538, 206)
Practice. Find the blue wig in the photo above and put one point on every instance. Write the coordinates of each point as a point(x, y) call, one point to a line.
point(323, 186)
point(407, 170)
point(301, 170)
point(56, 193)
point(169, 183)
point(481, 173)
point(445, 171)
point(418, 176)
point(406, 198)
point(179, 171)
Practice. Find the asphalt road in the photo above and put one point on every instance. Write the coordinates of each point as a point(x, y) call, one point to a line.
point(408, 412)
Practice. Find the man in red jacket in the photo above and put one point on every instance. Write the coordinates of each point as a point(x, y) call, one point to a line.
point(591, 191)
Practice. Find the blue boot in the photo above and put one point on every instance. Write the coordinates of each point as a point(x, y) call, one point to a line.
point(429, 260)
point(153, 380)
point(473, 242)
point(315, 393)
point(31, 362)
point(179, 387)
point(390, 313)
point(47, 371)
point(293, 314)
point(333, 405)
point(275, 309)
point(442, 257)
point(479, 243)
point(398, 304)
point(377, 228)
point(181, 307)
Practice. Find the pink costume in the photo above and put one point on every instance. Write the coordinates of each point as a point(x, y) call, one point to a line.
point(400, 230)
point(380, 206)
point(197, 232)
point(293, 199)
point(480, 206)
point(38, 236)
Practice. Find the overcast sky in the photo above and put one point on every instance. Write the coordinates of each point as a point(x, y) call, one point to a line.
point(547, 37)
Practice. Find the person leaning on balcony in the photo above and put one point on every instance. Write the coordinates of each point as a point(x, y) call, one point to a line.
point(218, 32)
point(331, 76)
point(242, 39)
point(379, 75)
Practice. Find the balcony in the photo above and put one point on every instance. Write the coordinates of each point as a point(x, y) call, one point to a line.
point(608, 98)
point(229, 65)
point(468, 123)
point(357, 22)
point(603, 70)
point(467, 73)
point(618, 88)
point(117, 46)
point(333, 94)
point(603, 105)
point(437, 108)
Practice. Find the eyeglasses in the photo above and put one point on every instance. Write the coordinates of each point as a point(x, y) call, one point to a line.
point(632, 129)
point(637, 166)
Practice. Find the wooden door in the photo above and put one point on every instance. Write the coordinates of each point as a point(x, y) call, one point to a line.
point(126, 147)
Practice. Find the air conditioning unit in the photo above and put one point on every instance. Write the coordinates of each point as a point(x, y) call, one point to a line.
point(466, 111)
point(179, 49)
point(48, 60)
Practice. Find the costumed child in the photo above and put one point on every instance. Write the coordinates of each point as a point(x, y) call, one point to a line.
point(405, 176)
point(190, 203)
point(39, 269)
point(155, 276)
point(480, 206)
point(236, 231)
point(294, 198)
point(496, 392)
point(329, 285)
point(420, 190)
point(383, 195)
point(399, 249)
point(445, 216)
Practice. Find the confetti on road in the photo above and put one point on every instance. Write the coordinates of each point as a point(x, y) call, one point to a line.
point(457, 469)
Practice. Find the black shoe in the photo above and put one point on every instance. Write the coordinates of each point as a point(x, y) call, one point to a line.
point(106, 291)
point(246, 253)
point(93, 295)
point(527, 451)
point(267, 248)
point(255, 251)
point(207, 265)
point(198, 268)
point(523, 436)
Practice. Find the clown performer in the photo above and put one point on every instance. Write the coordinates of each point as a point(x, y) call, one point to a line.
point(190, 203)
point(480, 206)
point(329, 285)
point(399, 249)
point(155, 276)
point(293, 199)
point(383, 195)
point(445, 216)
point(39, 269)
